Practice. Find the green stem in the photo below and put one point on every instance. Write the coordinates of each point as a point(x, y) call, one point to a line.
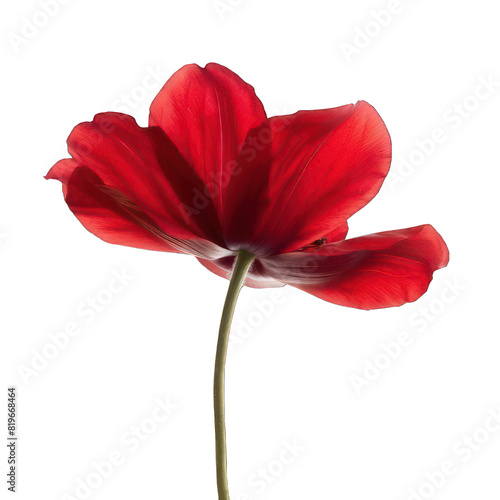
point(243, 262)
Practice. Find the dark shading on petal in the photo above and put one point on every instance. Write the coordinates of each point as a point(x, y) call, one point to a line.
point(192, 201)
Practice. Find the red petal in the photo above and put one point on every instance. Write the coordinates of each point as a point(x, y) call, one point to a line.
point(207, 112)
point(138, 162)
point(302, 176)
point(380, 270)
point(140, 176)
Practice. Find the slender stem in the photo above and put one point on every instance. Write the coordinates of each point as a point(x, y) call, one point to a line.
point(243, 263)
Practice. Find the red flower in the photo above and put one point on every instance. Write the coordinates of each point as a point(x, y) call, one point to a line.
point(212, 175)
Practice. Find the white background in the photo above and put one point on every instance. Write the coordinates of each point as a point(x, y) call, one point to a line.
point(292, 377)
